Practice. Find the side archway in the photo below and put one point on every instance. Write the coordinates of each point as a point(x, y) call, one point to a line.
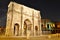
point(16, 29)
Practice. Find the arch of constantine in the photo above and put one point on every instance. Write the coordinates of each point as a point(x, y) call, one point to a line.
point(20, 19)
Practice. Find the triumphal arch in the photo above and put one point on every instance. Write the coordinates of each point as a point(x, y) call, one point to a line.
point(20, 19)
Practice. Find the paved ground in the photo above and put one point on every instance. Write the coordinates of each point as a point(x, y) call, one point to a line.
point(46, 37)
point(31, 38)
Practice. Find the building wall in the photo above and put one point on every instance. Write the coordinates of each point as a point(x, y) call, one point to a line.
point(36, 22)
point(18, 14)
point(9, 19)
point(27, 15)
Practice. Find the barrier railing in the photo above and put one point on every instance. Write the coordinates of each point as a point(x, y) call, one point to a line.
point(52, 31)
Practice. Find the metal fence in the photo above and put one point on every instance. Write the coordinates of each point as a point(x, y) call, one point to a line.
point(51, 31)
point(44, 31)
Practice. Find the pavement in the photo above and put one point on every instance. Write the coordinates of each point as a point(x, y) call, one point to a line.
point(41, 37)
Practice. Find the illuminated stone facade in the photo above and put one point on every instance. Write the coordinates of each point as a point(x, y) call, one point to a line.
point(20, 19)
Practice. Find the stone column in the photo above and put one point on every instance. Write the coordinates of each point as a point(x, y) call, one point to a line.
point(33, 22)
point(22, 23)
point(34, 31)
point(20, 30)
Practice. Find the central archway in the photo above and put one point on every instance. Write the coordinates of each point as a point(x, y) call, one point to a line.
point(27, 26)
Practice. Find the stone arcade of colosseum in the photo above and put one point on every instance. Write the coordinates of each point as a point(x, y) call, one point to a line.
point(20, 19)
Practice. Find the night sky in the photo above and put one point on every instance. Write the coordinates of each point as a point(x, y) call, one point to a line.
point(49, 8)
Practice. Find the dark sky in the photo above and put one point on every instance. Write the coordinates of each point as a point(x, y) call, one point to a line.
point(49, 8)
